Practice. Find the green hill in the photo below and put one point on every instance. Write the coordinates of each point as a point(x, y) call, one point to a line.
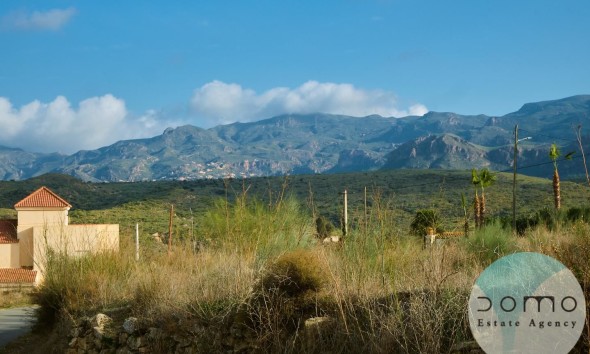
point(403, 192)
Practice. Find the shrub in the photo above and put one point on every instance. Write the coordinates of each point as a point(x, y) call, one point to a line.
point(491, 243)
point(294, 274)
point(324, 227)
point(575, 214)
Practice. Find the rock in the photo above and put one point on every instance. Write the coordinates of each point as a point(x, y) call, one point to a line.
point(153, 333)
point(123, 338)
point(134, 343)
point(182, 341)
point(130, 325)
point(100, 320)
point(99, 332)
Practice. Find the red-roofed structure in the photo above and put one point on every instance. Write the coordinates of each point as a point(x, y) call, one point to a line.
point(17, 276)
point(43, 226)
point(42, 198)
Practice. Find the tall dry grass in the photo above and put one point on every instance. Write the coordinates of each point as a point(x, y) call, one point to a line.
point(262, 269)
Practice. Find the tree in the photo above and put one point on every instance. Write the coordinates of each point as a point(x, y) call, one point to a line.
point(486, 179)
point(554, 154)
point(465, 214)
point(476, 209)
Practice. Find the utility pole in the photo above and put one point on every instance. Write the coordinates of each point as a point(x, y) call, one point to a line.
point(366, 211)
point(579, 138)
point(170, 230)
point(345, 228)
point(514, 179)
point(137, 242)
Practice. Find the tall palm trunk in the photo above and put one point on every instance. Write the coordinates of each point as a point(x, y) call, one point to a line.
point(482, 208)
point(477, 210)
point(556, 190)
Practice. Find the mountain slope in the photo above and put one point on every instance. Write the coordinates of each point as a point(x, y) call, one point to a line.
point(323, 143)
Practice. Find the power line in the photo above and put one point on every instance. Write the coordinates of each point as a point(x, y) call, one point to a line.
point(547, 136)
point(505, 170)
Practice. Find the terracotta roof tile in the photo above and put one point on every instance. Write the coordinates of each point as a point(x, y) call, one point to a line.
point(8, 231)
point(17, 276)
point(43, 197)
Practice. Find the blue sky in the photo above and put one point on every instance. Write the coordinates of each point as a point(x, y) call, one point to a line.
point(81, 74)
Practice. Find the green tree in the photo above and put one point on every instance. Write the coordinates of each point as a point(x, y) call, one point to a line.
point(486, 179)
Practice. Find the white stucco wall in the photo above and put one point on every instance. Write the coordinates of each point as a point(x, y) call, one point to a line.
point(73, 240)
point(29, 217)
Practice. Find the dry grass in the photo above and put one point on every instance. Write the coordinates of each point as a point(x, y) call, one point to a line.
point(384, 291)
point(15, 298)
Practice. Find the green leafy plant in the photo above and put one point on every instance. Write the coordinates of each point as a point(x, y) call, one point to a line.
point(423, 220)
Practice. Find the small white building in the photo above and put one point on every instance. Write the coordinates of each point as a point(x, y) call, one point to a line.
point(42, 225)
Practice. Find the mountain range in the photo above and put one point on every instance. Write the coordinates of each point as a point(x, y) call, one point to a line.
point(323, 143)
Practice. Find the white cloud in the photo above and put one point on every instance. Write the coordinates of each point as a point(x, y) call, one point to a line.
point(52, 20)
point(57, 126)
point(220, 103)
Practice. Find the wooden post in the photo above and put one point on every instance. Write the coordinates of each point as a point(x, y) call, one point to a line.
point(514, 179)
point(170, 230)
point(579, 138)
point(345, 229)
point(137, 242)
point(366, 211)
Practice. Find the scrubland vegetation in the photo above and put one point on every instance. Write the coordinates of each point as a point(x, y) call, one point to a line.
point(260, 267)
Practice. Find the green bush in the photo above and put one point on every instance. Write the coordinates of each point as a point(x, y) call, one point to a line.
point(249, 225)
point(491, 242)
point(324, 227)
point(575, 214)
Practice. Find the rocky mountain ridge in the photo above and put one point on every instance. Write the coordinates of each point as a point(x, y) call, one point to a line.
point(321, 143)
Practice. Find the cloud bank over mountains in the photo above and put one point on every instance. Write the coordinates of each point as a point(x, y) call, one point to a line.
point(220, 103)
point(102, 120)
point(58, 126)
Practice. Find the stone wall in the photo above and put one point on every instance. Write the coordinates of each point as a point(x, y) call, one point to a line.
point(102, 334)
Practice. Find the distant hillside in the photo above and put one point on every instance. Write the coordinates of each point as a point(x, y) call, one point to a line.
point(404, 191)
point(322, 143)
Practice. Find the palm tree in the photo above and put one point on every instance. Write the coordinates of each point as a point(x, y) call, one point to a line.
point(476, 208)
point(486, 179)
point(554, 154)
point(465, 214)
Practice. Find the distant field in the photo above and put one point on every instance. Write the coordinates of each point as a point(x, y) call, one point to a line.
point(403, 191)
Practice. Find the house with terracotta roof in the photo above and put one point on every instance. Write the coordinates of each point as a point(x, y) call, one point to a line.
point(42, 226)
